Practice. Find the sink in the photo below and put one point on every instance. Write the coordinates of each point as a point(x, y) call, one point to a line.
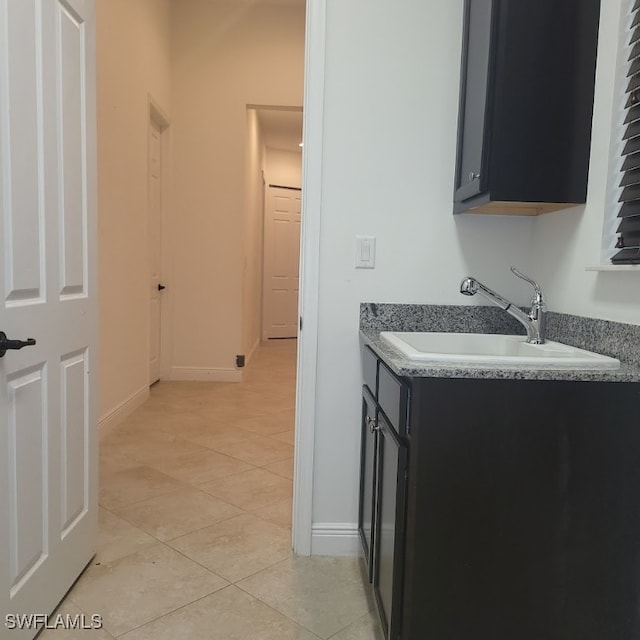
point(482, 349)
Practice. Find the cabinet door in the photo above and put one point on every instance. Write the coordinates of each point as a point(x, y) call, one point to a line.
point(389, 530)
point(488, 511)
point(367, 477)
point(472, 133)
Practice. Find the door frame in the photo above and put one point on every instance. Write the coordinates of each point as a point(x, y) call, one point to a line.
point(160, 118)
point(313, 119)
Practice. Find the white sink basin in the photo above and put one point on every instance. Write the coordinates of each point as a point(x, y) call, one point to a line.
point(481, 349)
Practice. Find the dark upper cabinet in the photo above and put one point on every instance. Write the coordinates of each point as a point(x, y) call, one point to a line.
point(526, 104)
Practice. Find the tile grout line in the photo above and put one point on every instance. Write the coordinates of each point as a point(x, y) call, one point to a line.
point(168, 613)
point(203, 413)
point(266, 604)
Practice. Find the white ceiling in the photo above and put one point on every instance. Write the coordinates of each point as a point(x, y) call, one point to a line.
point(281, 129)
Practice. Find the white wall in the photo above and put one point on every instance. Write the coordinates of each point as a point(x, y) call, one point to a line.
point(283, 168)
point(132, 63)
point(564, 244)
point(225, 57)
point(392, 78)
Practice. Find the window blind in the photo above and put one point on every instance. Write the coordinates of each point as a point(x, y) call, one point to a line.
point(629, 226)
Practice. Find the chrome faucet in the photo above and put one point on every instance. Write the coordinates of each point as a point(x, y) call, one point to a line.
point(534, 322)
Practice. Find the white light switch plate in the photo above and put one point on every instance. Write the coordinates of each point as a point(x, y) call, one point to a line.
point(365, 252)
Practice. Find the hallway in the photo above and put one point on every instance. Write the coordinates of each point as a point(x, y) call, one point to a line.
point(195, 522)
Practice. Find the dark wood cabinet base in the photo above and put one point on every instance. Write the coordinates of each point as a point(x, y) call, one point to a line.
point(520, 517)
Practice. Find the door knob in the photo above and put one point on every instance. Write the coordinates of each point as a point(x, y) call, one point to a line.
point(161, 287)
point(5, 344)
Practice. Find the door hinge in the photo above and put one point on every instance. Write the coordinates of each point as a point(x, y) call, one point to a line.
point(240, 361)
point(300, 323)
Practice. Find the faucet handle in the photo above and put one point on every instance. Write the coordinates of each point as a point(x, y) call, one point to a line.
point(539, 297)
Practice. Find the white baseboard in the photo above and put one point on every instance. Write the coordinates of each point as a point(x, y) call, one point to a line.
point(114, 417)
point(202, 374)
point(335, 539)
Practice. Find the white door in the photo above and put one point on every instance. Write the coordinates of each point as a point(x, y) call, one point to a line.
point(281, 263)
point(48, 489)
point(155, 249)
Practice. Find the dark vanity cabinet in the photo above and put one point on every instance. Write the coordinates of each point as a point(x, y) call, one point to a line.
point(526, 103)
point(383, 483)
point(496, 509)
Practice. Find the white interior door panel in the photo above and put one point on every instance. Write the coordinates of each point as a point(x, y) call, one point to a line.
point(48, 444)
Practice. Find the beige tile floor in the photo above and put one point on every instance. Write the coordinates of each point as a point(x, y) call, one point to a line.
point(195, 522)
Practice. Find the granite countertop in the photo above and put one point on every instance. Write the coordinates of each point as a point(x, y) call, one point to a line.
point(618, 340)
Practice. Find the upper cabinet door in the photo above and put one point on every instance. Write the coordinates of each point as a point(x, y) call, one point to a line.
point(526, 105)
point(472, 167)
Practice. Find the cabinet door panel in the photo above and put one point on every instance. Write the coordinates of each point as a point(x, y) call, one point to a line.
point(473, 104)
point(392, 399)
point(367, 478)
point(389, 536)
point(370, 370)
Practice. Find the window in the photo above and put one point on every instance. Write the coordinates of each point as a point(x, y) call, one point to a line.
point(628, 230)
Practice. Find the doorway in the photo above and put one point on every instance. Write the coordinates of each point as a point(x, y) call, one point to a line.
point(274, 163)
point(206, 274)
